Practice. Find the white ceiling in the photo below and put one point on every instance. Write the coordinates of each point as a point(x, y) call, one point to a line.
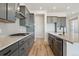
point(60, 7)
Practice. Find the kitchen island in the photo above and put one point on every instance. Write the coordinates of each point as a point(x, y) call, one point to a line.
point(57, 43)
point(63, 45)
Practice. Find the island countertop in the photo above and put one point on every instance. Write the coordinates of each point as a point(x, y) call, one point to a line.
point(66, 37)
point(6, 41)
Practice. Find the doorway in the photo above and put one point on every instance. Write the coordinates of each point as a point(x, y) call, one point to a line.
point(39, 26)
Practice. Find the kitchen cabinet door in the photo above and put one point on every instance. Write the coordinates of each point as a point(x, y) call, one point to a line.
point(22, 50)
point(29, 43)
point(31, 23)
point(9, 50)
point(31, 40)
point(22, 20)
point(15, 53)
point(23, 46)
point(56, 45)
point(61, 21)
point(3, 10)
point(27, 14)
point(59, 47)
point(49, 19)
point(26, 47)
point(11, 11)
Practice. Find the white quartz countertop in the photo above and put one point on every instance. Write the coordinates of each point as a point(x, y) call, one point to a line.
point(66, 37)
point(6, 41)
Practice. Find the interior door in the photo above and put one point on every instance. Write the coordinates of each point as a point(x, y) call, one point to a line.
point(39, 26)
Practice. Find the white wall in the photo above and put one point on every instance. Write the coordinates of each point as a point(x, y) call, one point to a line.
point(73, 49)
point(39, 26)
point(10, 28)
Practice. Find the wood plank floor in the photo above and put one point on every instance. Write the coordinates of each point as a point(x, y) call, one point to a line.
point(41, 48)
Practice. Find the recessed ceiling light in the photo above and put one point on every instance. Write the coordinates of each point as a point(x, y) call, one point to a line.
point(54, 7)
point(68, 7)
point(41, 8)
point(73, 12)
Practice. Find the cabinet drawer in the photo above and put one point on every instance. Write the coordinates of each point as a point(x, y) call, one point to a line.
point(22, 41)
point(28, 45)
point(30, 41)
point(26, 48)
point(58, 47)
point(22, 51)
point(9, 50)
point(15, 53)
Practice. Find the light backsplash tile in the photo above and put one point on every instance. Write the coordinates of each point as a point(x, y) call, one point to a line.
point(11, 28)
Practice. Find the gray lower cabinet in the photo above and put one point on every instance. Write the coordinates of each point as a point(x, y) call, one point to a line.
point(9, 50)
point(7, 11)
point(56, 44)
point(26, 48)
point(15, 53)
point(30, 40)
point(20, 48)
point(25, 45)
point(59, 46)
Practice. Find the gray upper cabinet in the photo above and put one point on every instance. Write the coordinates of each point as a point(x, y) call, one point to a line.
point(24, 21)
point(61, 21)
point(2, 10)
point(7, 12)
point(49, 19)
point(30, 28)
point(11, 11)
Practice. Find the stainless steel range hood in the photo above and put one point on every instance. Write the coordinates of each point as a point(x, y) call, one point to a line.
point(20, 15)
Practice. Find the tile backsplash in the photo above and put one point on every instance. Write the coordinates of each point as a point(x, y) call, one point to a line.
point(10, 28)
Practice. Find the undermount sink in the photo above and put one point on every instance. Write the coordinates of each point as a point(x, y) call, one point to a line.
point(20, 34)
point(60, 34)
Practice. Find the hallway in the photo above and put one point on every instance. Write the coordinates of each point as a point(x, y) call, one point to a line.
point(41, 48)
